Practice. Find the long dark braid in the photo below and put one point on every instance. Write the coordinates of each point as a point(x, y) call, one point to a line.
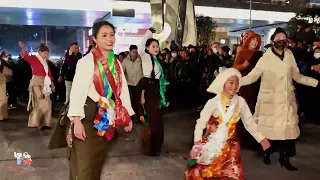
point(153, 74)
point(148, 43)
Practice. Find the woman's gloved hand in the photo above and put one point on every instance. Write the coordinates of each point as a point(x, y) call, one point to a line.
point(152, 30)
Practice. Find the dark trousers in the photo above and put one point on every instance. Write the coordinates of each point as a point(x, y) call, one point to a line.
point(153, 133)
point(171, 93)
point(287, 146)
point(135, 96)
point(184, 94)
point(53, 97)
point(11, 89)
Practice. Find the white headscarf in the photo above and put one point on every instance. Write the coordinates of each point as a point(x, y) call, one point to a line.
point(217, 140)
point(218, 84)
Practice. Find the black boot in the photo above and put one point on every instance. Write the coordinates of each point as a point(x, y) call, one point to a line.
point(284, 161)
point(266, 157)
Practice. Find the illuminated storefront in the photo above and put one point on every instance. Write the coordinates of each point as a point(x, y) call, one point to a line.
point(126, 34)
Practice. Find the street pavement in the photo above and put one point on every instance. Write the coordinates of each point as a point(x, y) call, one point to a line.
point(125, 162)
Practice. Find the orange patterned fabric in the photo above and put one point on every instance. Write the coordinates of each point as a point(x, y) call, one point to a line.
point(228, 164)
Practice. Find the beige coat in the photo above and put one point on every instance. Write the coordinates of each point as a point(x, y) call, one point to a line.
point(276, 108)
point(132, 70)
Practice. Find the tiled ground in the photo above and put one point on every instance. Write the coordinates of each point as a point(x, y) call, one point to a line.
point(125, 162)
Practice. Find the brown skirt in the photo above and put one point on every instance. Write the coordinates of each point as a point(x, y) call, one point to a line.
point(41, 106)
point(153, 133)
point(87, 157)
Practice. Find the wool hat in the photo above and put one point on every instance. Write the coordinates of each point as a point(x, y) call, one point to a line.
point(277, 31)
point(218, 84)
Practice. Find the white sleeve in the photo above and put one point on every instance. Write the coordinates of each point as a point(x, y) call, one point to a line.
point(80, 87)
point(205, 116)
point(142, 44)
point(248, 121)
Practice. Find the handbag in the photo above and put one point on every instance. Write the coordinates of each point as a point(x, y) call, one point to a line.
point(58, 138)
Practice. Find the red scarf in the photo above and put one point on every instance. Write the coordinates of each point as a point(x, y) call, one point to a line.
point(122, 116)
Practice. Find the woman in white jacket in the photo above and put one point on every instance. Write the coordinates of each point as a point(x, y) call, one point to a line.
point(152, 87)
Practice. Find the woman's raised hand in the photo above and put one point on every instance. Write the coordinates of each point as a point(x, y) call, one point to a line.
point(21, 45)
point(152, 30)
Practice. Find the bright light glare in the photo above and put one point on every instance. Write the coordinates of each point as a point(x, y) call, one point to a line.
point(51, 57)
point(90, 32)
point(134, 26)
point(54, 57)
point(244, 14)
point(144, 7)
point(29, 14)
point(30, 22)
point(84, 5)
point(222, 41)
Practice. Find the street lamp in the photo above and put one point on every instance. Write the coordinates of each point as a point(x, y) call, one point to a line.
point(250, 20)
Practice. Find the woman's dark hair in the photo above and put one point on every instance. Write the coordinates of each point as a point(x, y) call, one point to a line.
point(97, 26)
point(89, 49)
point(43, 47)
point(148, 43)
